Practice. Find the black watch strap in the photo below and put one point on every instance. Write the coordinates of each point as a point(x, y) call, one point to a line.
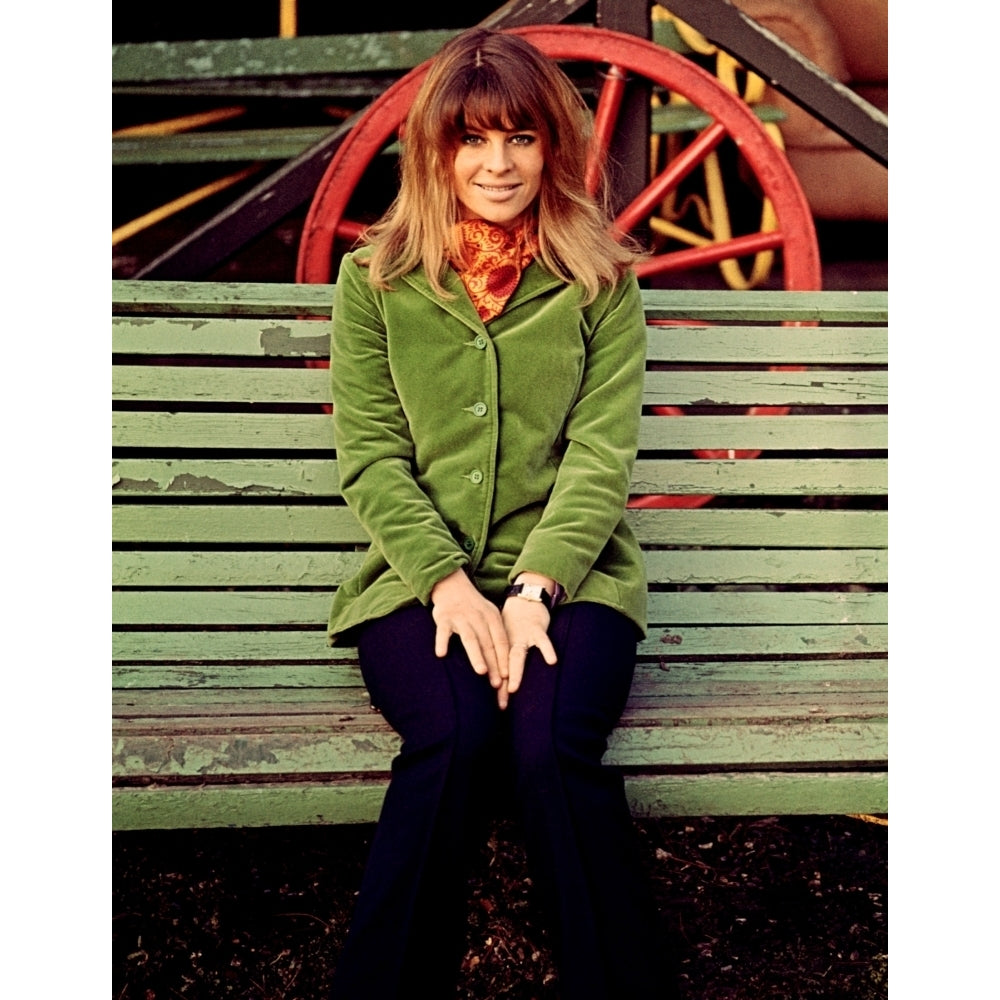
point(531, 593)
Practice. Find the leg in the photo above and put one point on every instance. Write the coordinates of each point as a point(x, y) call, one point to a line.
point(579, 831)
point(407, 933)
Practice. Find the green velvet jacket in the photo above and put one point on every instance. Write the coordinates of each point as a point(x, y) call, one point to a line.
point(498, 448)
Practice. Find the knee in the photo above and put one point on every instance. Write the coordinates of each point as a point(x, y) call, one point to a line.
point(543, 753)
point(463, 738)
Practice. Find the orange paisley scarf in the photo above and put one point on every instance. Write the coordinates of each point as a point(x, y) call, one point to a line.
point(496, 259)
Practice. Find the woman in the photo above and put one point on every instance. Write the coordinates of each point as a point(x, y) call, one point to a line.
point(487, 361)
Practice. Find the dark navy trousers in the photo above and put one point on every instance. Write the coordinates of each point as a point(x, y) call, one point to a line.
point(459, 755)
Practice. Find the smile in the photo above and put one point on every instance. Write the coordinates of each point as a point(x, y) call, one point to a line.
point(498, 188)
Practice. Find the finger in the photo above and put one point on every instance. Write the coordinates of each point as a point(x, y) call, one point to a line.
point(548, 651)
point(518, 655)
point(442, 638)
point(502, 696)
point(474, 652)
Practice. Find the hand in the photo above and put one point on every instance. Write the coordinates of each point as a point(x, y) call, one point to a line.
point(527, 624)
point(459, 609)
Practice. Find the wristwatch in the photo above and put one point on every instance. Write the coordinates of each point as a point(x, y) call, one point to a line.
point(531, 592)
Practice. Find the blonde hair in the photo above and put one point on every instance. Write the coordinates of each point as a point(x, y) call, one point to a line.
point(483, 80)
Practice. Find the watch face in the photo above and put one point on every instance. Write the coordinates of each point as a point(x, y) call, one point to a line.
point(533, 593)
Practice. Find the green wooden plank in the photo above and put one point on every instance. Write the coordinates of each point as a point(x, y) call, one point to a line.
point(196, 608)
point(149, 689)
point(306, 803)
point(671, 119)
point(152, 689)
point(815, 387)
point(775, 566)
point(390, 52)
point(176, 478)
point(229, 146)
point(319, 478)
point(286, 804)
point(291, 568)
point(675, 642)
point(748, 345)
point(290, 432)
point(204, 383)
point(257, 337)
point(211, 298)
point(759, 305)
point(241, 431)
point(336, 749)
point(220, 298)
point(759, 794)
point(251, 336)
point(817, 742)
point(233, 568)
point(794, 432)
point(172, 681)
point(334, 525)
point(762, 477)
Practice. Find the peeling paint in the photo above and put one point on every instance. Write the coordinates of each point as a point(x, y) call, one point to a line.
point(278, 341)
point(134, 485)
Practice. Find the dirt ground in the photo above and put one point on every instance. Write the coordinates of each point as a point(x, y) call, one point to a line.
point(789, 907)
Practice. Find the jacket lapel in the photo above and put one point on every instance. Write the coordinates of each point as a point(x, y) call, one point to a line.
point(535, 280)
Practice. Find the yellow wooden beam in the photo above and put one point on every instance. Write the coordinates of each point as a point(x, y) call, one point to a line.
point(122, 233)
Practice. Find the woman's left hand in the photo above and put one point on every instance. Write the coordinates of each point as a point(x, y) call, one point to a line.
point(526, 623)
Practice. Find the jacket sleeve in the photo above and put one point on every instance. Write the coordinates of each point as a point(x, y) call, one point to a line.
point(375, 451)
point(602, 435)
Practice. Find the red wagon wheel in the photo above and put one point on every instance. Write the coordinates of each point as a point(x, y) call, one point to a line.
point(622, 58)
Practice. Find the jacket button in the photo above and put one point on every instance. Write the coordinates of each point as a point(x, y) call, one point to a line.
point(468, 544)
point(476, 476)
point(480, 409)
point(480, 343)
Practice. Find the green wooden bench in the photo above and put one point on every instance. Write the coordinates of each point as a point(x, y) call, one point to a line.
point(762, 685)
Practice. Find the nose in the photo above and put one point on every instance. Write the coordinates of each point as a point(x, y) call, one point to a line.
point(497, 155)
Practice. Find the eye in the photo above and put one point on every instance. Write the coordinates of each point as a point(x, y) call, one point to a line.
point(524, 138)
point(471, 139)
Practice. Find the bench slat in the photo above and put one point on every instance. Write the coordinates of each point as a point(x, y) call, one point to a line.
point(309, 646)
point(200, 384)
point(307, 477)
point(206, 298)
point(289, 568)
point(151, 690)
point(291, 432)
point(337, 744)
point(296, 607)
point(253, 337)
point(335, 525)
point(349, 800)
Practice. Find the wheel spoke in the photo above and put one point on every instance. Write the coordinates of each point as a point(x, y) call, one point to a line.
point(710, 253)
point(605, 116)
point(668, 179)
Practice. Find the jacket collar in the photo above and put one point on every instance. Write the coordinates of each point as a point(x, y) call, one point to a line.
point(535, 280)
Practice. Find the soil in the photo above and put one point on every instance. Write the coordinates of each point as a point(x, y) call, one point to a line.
point(754, 907)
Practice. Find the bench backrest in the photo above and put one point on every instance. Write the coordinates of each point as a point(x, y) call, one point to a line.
point(230, 534)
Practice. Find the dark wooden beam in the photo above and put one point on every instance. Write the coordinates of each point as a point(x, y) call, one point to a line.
point(799, 79)
point(628, 160)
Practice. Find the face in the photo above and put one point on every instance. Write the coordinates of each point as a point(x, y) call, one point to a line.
point(498, 174)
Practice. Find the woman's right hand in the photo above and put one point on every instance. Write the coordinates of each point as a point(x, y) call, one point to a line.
point(459, 609)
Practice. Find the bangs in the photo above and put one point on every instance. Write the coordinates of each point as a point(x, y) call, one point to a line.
point(485, 102)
